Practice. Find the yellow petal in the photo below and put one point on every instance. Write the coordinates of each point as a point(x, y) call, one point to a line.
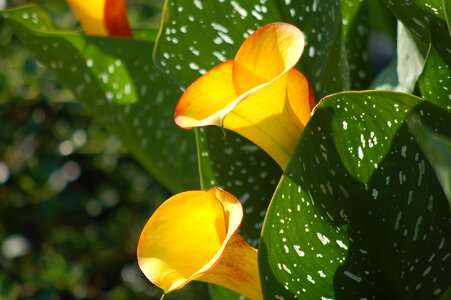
point(264, 64)
point(258, 95)
point(237, 269)
point(266, 55)
point(268, 121)
point(102, 17)
point(201, 103)
point(275, 121)
point(186, 236)
point(91, 15)
point(300, 96)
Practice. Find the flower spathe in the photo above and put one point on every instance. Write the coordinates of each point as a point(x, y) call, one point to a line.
point(258, 94)
point(102, 17)
point(193, 236)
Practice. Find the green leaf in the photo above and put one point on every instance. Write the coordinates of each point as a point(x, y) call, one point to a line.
point(220, 293)
point(410, 60)
point(447, 9)
point(336, 75)
point(31, 17)
point(117, 83)
point(356, 33)
point(441, 40)
point(424, 27)
point(435, 81)
point(437, 149)
point(359, 212)
point(433, 7)
point(415, 19)
point(428, 37)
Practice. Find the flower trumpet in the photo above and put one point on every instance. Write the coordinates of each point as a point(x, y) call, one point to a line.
point(102, 17)
point(258, 94)
point(193, 236)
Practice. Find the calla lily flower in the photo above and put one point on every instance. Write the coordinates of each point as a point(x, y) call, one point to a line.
point(193, 236)
point(102, 17)
point(258, 94)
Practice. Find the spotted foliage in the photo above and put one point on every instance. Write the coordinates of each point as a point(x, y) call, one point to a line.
point(359, 212)
point(435, 80)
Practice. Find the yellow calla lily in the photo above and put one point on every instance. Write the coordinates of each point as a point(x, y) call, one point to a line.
point(193, 236)
point(102, 17)
point(258, 94)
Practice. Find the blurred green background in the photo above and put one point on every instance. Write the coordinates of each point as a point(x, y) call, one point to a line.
point(72, 202)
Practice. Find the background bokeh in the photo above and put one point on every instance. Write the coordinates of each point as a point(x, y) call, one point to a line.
point(72, 201)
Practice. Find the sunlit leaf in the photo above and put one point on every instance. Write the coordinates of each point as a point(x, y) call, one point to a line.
point(117, 83)
point(359, 213)
point(410, 60)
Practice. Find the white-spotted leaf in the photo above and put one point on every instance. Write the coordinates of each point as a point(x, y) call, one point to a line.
point(359, 213)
